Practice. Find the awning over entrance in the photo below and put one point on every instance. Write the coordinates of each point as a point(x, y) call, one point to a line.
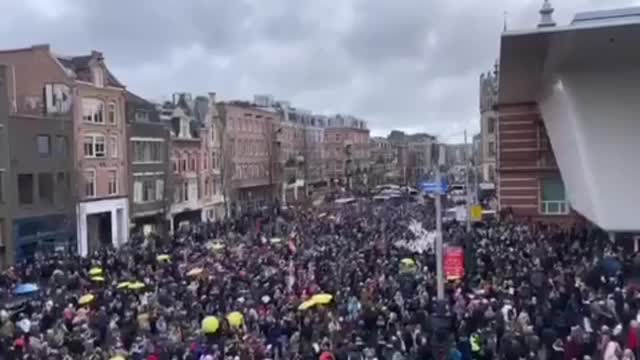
point(585, 78)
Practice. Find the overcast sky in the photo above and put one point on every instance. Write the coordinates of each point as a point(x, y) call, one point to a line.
point(399, 64)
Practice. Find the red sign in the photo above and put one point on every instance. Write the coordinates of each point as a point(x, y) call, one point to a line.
point(453, 263)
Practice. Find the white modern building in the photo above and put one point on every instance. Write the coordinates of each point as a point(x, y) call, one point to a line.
point(585, 79)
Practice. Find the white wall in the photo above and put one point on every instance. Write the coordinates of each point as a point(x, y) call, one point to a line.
point(119, 226)
point(593, 121)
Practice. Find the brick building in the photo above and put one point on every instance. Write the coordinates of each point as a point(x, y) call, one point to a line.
point(250, 158)
point(346, 141)
point(37, 204)
point(99, 130)
point(149, 171)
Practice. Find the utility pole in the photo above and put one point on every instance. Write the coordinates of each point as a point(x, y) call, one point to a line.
point(439, 250)
point(466, 178)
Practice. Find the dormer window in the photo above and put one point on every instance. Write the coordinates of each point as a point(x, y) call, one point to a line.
point(184, 129)
point(98, 76)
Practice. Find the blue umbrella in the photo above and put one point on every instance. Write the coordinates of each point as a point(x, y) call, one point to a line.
point(610, 265)
point(24, 289)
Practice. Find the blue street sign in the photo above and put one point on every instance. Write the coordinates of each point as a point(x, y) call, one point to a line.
point(433, 187)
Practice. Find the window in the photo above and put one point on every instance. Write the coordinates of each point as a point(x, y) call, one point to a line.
point(25, 189)
point(90, 183)
point(192, 163)
point(491, 125)
point(44, 145)
point(185, 191)
point(553, 197)
point(45, 187)
point(206, 187)
point(142, 116)
point(92, 111)
point(205, 161)
point(159, 189)
point(113, 146)
point(137, 192)
point(62, 183)
point(1, 186)
point(183, 164)
point(94, 146)
point(147, 151)
point(112, 177)
point(175, 166)
point(112, 113)
point(62, 145)
point(148, 191)
point(492, 148)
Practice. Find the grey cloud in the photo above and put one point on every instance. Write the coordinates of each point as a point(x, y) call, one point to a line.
point(409, 64)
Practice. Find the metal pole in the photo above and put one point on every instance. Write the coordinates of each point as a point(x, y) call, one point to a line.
point(439, 252)
point(466, 178)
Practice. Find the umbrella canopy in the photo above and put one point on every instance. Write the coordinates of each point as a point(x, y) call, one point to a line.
point(307, 304)
point(408, 262)
point(136, 285)
point(236, 319)
point(95, 271)
point(275, 240)
point(210, 324)
point(322, 299)
point(117, 358)
point(24, 289)
point(85, 299)
point(195, 272)
point(163, 257)
point(123, 285)
point(610, 266)
point(97, 278)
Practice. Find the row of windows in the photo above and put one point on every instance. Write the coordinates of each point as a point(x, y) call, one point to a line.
point(39, 187)
point(60, 148)
point(95, 146)
point(250, 148)
point(93, 111)
point(148, 189)
point(148, 151)
point(190, 163)
point(91, 182)
point(257, 126)
point(250, 171)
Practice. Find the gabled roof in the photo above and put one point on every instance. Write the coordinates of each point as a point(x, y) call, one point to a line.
point(79, 65)
point(131, 97)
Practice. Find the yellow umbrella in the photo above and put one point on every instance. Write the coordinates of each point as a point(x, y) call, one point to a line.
point(98, 278)
point(307, 304)
point(235, 319)
point(124, 284)
point(85, 299)
point(210, 324)
point(136, 285)
point(195, 272)
point(408, 262)
point(95, 271)
point(217, 246)
point(163, 257)
point(276, 240)
point(117, 358)
point(322, 299)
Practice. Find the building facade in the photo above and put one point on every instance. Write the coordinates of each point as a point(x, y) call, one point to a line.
point(149, 172)
point(211, 175)
point(382, 161)
point(83, 86)
point(488, 121)
point(251, 171)
point(347, 151)
point(36, 198)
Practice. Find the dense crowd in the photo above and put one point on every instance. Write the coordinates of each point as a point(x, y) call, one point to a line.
point(247, 289)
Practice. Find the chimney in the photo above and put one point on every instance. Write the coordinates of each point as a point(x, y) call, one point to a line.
point(212, 98)
point(546, 15)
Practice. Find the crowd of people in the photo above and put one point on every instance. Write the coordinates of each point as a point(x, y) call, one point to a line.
point(246, 288)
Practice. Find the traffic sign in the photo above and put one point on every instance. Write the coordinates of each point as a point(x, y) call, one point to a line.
point(433, 187)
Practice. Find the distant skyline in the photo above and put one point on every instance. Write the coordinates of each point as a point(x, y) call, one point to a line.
point(407, 64)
